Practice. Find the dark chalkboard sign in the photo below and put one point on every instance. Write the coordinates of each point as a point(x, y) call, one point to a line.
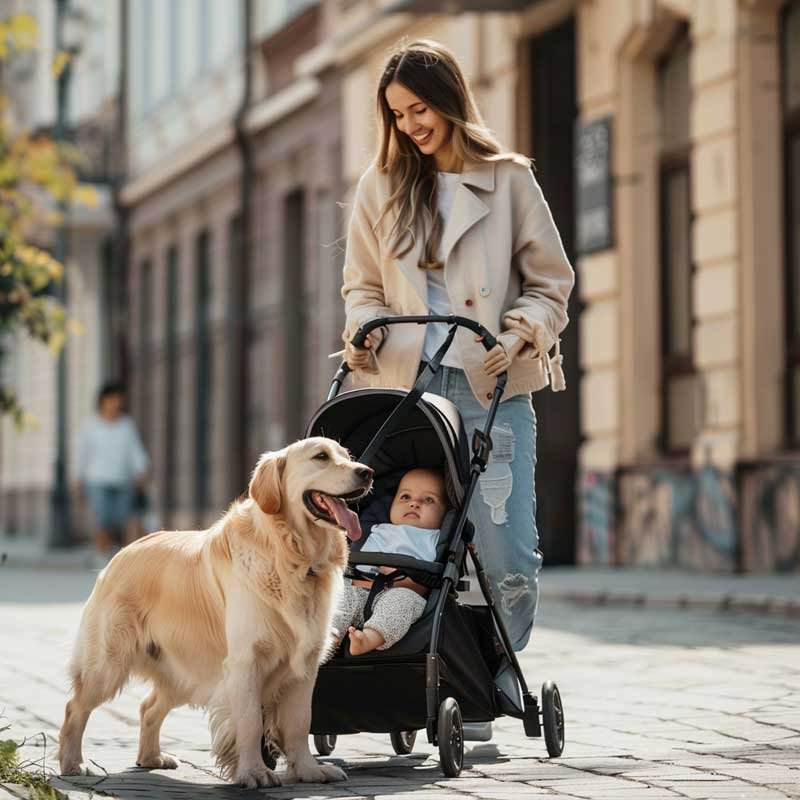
point(593, 198)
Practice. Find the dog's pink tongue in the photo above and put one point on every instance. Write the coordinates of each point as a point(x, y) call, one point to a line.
point(345, 517)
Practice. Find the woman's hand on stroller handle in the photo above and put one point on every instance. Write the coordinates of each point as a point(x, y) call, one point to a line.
point(499, 358)
point(360, 357)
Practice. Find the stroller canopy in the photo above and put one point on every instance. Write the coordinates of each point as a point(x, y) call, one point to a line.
point(431, 435)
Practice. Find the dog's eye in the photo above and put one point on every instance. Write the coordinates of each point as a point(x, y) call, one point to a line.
point(323, 456)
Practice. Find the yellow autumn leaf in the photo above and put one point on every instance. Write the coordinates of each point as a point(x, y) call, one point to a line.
point(59, 62)
point(85, 194)
point(56, 342)
point(30, 421)
point(56, 270)
point(22, 28)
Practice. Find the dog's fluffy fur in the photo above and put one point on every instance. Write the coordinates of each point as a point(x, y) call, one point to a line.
point(235, 618)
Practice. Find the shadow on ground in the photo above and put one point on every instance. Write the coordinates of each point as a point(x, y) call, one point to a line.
point(392, 776)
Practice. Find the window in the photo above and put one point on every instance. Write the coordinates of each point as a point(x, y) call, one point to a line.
point(202, 422)
point(171, 381)
point(204, 31)
point(145, 322)
point(106, 310)
point(294, 327)
point(146, 64)
point(174, 40)
point(679, 423)
point(790, 58)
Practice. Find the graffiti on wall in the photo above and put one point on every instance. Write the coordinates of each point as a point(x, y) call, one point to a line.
point(770, 500)
point(680, 518)
point(665, 517)
point(596, 525)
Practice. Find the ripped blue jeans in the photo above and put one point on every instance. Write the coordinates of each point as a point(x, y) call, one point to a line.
point(503, 508)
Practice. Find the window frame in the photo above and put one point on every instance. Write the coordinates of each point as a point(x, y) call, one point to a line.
point(203, 369)
point(144, 345)
point(673, 365)
point(790, 124)
point(171, 371)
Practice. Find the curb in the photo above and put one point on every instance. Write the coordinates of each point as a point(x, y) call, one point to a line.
point(724, 603)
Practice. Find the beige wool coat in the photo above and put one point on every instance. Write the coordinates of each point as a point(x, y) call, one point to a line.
point(504, 266)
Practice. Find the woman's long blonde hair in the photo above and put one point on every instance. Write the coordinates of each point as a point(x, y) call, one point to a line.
point(431, 71)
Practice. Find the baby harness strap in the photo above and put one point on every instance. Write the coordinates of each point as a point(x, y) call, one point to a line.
point(379, 583)
point(409, 401)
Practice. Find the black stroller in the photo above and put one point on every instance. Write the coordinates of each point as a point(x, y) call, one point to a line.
point(456, 663)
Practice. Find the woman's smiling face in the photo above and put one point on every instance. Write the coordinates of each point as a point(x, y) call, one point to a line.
point(429, 131)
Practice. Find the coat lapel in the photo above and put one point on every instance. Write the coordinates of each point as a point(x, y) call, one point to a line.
point(468, 209)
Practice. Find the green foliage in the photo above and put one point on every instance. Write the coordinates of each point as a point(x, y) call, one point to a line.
point(12, 770)
point(36, 176)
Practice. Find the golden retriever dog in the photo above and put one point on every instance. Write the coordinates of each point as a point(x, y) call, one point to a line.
point(235, 618)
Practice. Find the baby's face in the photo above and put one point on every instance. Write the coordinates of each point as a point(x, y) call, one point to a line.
point(420, 500)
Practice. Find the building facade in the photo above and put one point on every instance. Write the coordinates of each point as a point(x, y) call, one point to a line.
point(666, 138)
point(233, 224)
point(688, 386)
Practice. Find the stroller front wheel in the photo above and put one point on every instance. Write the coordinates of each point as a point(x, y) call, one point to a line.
point(403, 741)
point(553, 719)
point(450, 734)
point(324, 743)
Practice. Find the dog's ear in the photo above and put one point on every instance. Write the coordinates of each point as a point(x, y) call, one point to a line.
point(267, 481)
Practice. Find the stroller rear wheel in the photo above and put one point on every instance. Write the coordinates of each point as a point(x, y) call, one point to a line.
point(324, 743)
point(450, 734)
point(403, 741)
point(553, 719)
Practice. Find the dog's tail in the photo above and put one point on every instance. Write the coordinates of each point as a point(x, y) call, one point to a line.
point(223, 734)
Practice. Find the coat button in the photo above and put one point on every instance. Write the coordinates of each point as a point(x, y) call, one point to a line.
point(488, 395)
point(485, 291)
point(469, 301)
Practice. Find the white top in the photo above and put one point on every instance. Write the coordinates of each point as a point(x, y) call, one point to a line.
point(110, 453)
point(401, 540)
point(438, 297)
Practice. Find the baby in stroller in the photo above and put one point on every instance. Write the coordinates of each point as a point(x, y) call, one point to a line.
point(416, 514)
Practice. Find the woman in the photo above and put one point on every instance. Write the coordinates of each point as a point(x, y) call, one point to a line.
point(445, 221)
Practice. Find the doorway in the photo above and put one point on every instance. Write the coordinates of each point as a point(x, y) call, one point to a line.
point(553, 116)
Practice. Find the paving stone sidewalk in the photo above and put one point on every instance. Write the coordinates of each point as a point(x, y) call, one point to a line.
point(660, 703)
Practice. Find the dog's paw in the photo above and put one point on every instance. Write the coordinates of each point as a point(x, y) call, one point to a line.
point(76, 768)
point(318, 773)
point(161, 761)
point(254, 778)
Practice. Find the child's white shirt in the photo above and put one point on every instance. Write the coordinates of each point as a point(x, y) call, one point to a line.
point(402, 540)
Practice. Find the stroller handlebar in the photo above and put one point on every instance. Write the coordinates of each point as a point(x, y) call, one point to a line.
point(360, 336)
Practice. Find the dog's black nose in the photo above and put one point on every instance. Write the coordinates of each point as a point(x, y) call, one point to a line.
point(365, 473)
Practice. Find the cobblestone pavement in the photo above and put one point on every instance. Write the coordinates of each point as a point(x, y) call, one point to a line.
point(660, 703)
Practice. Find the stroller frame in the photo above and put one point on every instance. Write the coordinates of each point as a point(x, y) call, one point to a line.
point(443, 726)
